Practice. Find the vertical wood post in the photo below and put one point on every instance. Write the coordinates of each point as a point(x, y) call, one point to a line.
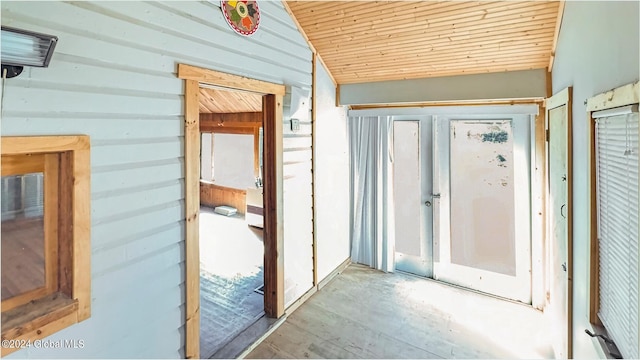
point(192, 204)
point(272, 197)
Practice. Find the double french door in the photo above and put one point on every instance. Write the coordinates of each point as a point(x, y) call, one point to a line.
point(462, 201)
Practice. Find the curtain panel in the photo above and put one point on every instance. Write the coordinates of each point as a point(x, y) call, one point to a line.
point(372, 215)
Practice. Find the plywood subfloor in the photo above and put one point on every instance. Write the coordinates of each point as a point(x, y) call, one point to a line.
point(365, 313)
point(231, 257)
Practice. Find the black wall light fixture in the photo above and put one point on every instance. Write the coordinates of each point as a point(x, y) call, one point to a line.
point(21, 48)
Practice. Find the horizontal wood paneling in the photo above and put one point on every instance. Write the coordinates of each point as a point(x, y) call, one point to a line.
point(242, 119)
point(105, 207)
point(298, 208)
point(305, 128)
point(103, 129)
point(366, 42)
point(213, 195)
point(295, 142)
point(113, 77)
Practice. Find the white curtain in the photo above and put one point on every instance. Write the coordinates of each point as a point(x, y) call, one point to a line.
point(372, 216)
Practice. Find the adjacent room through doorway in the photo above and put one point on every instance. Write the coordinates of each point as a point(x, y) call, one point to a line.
point(231, 221)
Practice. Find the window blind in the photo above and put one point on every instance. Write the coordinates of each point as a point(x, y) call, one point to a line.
point(617, 210)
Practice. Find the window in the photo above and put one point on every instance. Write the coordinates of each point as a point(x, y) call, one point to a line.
point(45, 236)
point(232, 160)
point(614, 263)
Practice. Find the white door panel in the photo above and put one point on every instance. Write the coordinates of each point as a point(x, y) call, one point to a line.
point(483, 219)
point(412, 181)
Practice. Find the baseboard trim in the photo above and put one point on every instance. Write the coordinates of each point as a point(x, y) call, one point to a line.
point(258, 341)
point(337, 271)
point(301, 300)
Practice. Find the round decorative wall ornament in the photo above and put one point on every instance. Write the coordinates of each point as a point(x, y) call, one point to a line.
point(243, 16)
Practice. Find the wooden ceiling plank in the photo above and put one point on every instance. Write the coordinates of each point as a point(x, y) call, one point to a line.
point(393, 11)
point(330, 28)
point(318, 7)
point(304, 35)
point(346, 13)
point(542, 48)
point(404, 33)
point(494, 35)
point(424, 68)
point(443, 61)
point(534, 41)
point(329, 9)
point(450, 58)
point(432, 68)
point(383, 41)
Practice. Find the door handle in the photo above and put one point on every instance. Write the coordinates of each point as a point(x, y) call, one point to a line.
point(435, 196)
point(564, 267)
point(561, 210)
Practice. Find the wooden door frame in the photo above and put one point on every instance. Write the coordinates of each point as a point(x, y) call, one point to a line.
point(563, 98)
point(273, 192)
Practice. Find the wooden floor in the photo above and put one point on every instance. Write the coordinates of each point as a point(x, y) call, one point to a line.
point(22, 256)
point(365, 313)
point(231, 258)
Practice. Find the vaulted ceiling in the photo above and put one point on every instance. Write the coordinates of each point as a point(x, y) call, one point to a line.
point(363, 41)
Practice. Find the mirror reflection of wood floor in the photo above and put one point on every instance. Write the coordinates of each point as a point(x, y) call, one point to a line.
point(231, 268)
point(22, 256)
point(364, 313)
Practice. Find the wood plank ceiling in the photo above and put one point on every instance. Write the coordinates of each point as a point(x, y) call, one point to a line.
point(362, 41)
point(225, 101)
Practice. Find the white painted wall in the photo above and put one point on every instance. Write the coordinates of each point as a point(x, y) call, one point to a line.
point(113, 77)
point(598, 49)
point(332, 177)
point(504, 85)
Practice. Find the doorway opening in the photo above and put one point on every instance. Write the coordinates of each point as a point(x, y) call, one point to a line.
point(270, 95)
point(231, 217)
point(462, 188)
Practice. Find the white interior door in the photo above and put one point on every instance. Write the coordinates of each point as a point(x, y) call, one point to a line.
point(412, 182)
point(559, 221)
point(482, 216)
